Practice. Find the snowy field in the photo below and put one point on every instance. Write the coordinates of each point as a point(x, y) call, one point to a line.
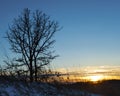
point(37, 89)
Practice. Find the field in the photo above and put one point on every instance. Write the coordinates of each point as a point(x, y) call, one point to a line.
point(105, 88)
point(15, 87)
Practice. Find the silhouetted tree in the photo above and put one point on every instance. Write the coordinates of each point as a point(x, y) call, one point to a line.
point(30, 35)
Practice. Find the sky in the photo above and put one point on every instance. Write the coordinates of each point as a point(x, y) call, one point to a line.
point(90, 34)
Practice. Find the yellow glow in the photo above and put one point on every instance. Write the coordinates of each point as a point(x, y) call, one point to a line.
point(93, 74)
point(95, 78)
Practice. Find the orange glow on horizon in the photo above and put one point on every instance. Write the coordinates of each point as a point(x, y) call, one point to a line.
point(95, 78)
point(92, 74)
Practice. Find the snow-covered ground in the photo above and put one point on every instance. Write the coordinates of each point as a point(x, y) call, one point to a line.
point(37, 89)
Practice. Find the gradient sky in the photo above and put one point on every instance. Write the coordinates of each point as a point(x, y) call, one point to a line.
point(90, 34)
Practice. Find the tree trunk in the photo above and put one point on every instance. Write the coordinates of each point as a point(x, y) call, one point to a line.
point(31, 71)
point(35, 70)
point(35, 73)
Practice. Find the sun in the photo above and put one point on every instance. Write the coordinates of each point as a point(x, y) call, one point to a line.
point(96, 78)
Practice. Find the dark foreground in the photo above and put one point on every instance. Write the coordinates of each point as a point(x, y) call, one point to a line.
point(105, 88)
point(22, 88)
point(15, 87)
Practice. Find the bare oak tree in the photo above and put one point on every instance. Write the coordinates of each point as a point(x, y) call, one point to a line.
point(30, 35)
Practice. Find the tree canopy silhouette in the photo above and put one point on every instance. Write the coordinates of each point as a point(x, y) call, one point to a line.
point(31, 36)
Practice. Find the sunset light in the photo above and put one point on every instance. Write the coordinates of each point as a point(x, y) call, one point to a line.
point(96, 78)
point(60, 47)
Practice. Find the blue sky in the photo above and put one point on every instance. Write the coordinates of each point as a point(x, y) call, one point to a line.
point(90, 34)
